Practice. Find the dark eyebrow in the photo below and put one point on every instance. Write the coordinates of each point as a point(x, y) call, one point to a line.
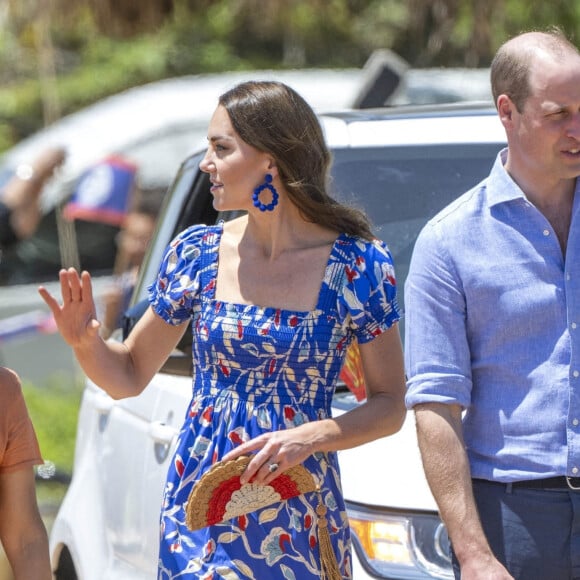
point(218, 138)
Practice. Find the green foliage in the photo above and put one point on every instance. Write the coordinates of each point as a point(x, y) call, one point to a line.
point(380, 23)
point(54, 410)
point(111, 66)
point(6, 136)
point(199, 36)
point(20, 107)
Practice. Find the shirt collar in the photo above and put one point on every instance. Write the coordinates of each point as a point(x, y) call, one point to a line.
point(501, 187)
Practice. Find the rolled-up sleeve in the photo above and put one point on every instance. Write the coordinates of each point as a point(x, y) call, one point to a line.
point(437, 355)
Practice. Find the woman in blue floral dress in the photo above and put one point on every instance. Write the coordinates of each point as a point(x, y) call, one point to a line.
point(276, 297)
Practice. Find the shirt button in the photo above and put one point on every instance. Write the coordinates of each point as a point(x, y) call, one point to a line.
point(546, 232)
point(574, 470)
point(576, 373)
point(575, 422)
point(574, 325)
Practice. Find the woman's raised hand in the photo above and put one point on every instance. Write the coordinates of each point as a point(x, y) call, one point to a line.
point(76, 316)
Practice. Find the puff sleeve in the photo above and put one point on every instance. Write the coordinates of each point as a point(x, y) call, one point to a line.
point(177, 284)
point(369, 295)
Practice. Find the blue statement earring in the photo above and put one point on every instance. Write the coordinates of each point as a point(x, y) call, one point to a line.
point(266, 185)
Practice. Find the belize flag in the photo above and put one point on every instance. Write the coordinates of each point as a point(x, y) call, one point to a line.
point(103, 192)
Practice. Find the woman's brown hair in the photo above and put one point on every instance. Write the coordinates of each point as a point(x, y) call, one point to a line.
point(275, 119)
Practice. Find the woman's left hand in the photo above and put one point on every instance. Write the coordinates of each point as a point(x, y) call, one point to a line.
point(272, 454)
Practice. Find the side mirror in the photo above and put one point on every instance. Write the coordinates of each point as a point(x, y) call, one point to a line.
point(383, 73)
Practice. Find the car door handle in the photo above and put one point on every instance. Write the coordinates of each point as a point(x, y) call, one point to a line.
point(163, 435)
point(103, 404)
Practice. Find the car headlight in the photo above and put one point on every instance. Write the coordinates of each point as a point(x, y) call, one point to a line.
point(401, 545)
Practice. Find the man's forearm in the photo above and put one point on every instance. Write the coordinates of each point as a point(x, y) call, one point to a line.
point(447, 469)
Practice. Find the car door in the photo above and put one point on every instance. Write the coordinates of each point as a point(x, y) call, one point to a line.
point(173, 395)
point(141, 432)
point(123, 461)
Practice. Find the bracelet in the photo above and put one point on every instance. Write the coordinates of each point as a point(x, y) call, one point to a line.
point(26, 172)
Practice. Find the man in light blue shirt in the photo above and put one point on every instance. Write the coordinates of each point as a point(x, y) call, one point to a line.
point(492, 333)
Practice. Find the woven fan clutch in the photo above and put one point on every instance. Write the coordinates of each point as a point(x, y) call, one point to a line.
point(219, 496)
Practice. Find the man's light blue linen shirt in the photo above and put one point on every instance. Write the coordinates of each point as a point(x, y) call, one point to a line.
point(493, 324)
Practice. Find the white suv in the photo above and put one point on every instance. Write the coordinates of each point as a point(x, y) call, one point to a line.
point(402, 165)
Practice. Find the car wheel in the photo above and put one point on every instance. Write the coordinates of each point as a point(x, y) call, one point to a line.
point(66, 568)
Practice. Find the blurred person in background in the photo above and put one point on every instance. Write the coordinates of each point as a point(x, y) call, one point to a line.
point(22, 532)
point(133, 241)
point(20, 210)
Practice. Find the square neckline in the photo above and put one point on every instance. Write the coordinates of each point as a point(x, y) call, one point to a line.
point(240, 306)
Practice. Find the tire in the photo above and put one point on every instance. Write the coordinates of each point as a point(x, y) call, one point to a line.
point(66, 568)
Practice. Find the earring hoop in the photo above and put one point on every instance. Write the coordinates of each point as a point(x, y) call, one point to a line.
point(266, 185)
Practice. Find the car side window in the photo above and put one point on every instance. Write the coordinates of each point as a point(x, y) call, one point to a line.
point(39, 258)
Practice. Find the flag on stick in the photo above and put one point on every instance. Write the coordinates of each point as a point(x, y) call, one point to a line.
point(103, 192)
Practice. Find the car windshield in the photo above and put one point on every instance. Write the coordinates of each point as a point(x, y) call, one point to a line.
point(401, 187)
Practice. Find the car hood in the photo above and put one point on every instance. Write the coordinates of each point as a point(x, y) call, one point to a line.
point(371, 473)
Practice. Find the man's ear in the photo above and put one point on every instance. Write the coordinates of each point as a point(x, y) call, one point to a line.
point(505, 109)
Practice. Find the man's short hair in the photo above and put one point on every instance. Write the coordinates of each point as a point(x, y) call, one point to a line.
point(510, 68)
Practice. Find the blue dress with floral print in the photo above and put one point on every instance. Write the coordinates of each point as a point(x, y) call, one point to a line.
point(257, 370)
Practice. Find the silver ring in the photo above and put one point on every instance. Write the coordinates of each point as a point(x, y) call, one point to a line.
point(272, 467)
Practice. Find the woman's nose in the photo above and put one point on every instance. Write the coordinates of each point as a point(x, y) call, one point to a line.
point(205, 163)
